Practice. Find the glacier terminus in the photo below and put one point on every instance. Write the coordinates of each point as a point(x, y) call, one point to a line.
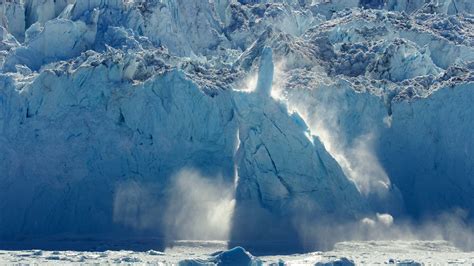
point(237, 132)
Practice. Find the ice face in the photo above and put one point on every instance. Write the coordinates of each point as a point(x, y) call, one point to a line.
point(13, 18)
point(69, 40)
point(284, 174)
point(308, 112)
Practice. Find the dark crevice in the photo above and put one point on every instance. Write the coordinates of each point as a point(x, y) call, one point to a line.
point(282, 180)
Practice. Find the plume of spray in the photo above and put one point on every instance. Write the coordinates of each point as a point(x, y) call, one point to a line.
point(359, 162)
point(357, 157)
point(199, 208)
point(190, 207)
point(450, 226)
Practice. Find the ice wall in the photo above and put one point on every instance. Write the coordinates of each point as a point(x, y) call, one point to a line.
point(69, 141)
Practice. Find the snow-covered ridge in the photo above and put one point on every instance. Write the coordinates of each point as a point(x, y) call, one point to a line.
point(301, 112)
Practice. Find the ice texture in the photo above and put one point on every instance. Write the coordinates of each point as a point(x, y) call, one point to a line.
point(310, 112)
point(204, 253)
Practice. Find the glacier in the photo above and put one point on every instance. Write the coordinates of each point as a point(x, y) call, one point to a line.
point(303, 119)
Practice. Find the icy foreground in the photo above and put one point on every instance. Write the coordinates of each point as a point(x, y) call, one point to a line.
point(197, 253)
point(266, 124)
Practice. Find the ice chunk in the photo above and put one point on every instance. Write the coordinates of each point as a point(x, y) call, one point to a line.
point(339, 262)
point(407, 262)
point(195, 262)
point(234, 256)
point(12, 17)
point(58, 39)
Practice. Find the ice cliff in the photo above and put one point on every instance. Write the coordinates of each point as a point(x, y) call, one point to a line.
point(308, 112)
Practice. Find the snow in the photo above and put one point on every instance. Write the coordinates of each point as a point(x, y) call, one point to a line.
point(211, 253)
point(311, 117)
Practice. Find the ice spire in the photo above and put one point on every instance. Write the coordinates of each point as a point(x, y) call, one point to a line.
point(265, 72)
